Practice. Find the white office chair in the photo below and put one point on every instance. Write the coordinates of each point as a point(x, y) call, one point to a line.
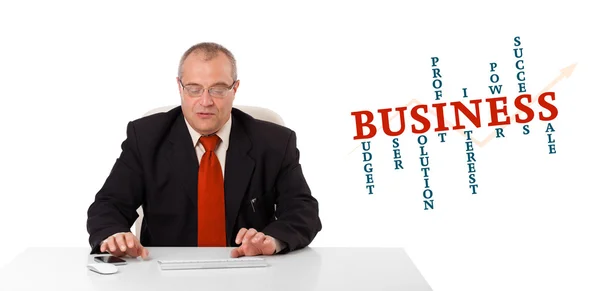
point(254, 111)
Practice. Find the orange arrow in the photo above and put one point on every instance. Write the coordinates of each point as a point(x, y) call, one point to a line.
point(564, 73)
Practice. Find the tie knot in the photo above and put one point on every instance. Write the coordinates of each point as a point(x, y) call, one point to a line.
point(209, 142)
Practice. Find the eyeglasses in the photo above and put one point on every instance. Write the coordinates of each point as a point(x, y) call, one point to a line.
point(197, 90)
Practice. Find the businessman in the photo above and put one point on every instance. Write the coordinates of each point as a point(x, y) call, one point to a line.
point(206, 174)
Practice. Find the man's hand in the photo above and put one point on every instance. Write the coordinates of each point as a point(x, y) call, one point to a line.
point(124, 243)
point(254, 243)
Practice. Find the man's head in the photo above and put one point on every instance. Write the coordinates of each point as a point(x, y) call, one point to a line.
point(207, 81)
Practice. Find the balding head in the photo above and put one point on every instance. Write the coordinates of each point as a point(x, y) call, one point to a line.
point(208, 50)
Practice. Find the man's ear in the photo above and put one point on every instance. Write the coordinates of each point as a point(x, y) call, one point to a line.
point(237, 84)
point(235, 87)
point(179, 82)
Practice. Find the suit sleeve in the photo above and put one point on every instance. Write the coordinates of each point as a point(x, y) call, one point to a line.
point(297, 212)
point(114, 207)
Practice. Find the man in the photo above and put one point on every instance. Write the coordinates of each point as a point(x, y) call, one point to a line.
point(206, 174)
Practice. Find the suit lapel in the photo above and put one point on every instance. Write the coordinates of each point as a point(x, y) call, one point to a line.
point(238, 171)
point(184, 161)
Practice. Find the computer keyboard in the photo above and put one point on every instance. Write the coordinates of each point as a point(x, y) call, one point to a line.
point(212, 263)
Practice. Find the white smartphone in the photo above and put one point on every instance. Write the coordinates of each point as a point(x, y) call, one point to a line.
point(110, 260)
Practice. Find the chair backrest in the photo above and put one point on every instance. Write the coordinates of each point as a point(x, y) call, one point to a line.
point(254, 111)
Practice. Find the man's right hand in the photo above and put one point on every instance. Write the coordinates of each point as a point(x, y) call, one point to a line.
point(124, 243)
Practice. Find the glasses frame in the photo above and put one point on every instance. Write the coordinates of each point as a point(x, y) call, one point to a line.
point(184, 87)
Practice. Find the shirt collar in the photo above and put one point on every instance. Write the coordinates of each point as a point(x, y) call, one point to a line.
point(223, 133)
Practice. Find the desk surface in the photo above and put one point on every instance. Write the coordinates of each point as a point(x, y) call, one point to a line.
point(306, 269)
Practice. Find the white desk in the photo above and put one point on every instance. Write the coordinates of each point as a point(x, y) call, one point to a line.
point(306, 269)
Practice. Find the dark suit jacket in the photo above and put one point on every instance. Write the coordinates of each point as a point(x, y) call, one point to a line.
point(158, 169)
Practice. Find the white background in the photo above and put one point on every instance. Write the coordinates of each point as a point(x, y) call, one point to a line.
point(72, 74)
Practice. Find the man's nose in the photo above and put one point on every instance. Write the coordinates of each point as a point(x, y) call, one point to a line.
point(206, 99)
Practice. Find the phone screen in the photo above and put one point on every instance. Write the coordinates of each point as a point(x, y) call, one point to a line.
point(110, 260)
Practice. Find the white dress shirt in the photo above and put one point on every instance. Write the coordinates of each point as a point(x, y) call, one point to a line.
point(222, 147)
point(221, 151)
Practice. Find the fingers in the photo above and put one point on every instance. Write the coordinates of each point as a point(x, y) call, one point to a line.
point(249, 235)
point(240, 235)
point(144, 252)
point(133, 252)
point(244, 234)
point(253, 243)
point(132, 244)
point(243, 237)
point(103, 246)
point(130, 240)
point(235, 253)
point(269, 245)
point(120, 244)
point(258, 238)
point(110, 246)
point(268, 240)
point(246, 249)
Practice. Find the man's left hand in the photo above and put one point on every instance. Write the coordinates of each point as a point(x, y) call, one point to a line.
point(253, 243)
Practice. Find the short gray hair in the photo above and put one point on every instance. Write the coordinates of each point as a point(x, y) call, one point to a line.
point(210, 50)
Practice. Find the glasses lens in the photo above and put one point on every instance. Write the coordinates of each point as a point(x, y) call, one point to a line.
point(194, 90)
point(218, 91)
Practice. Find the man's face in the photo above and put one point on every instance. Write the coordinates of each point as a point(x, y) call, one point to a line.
point(205, 113)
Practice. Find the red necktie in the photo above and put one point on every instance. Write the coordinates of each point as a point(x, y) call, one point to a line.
point(211, 197)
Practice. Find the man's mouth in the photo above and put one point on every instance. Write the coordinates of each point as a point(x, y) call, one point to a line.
point(205, 114)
